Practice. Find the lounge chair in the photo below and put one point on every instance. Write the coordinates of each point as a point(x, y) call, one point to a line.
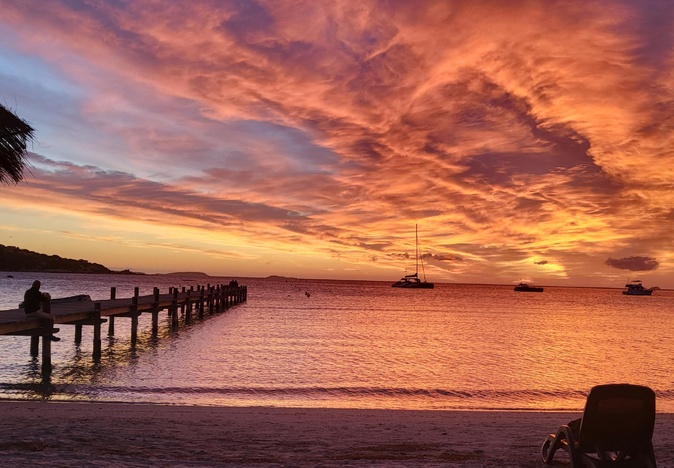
point(615, 431)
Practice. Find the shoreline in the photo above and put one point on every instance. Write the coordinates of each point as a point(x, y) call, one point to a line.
point(36, 433)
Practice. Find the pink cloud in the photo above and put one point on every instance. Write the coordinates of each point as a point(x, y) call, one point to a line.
point(517, 126)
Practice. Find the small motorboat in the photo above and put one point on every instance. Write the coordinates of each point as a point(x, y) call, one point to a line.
point(524, 287)
point(635, 288)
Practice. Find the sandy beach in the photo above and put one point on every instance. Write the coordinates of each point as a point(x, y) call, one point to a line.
point(137, 435)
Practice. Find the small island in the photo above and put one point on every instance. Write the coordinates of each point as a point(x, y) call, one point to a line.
point(191, 274)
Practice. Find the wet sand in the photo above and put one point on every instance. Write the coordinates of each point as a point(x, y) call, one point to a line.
point(138, 435)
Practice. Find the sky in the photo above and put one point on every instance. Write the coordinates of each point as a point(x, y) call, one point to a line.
point(528, 140)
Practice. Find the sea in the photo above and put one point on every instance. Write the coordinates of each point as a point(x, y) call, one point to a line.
point(354, 344)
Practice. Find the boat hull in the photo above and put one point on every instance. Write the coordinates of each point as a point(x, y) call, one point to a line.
point(638, 293)
point(413, 285)
point(522, 287)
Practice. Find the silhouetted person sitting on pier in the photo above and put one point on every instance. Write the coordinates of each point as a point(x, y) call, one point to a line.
point(234, 284)
point(33, 301)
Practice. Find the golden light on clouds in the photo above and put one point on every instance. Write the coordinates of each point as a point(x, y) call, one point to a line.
point(308, 138)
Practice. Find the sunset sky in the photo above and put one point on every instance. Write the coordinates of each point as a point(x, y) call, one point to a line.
point(529, 140)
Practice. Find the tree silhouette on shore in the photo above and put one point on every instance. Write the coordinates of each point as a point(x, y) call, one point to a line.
point(15, 133)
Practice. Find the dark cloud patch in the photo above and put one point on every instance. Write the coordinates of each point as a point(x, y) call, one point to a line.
point(542, 262)
point(655, 31)
point(403, 256)
point(442, 257)
point(139, 46)
point(380, 76)
point(634, 263)
point(557, 148)
point(566, 152)
point(526, 203)
point(249, 20)
point(368, 148)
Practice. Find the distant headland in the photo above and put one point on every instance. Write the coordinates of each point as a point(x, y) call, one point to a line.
point(16, 259)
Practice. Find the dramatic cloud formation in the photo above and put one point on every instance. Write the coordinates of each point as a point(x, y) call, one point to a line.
point(308, 138)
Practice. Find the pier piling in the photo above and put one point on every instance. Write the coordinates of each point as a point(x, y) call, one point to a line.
point(111, 323)
point(97, 332)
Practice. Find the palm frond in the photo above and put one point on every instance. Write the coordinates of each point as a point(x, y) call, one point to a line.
point(15, 134)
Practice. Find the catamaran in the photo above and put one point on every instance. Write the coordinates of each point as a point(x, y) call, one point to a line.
point(413, 281)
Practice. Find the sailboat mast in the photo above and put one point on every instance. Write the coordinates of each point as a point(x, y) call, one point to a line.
point(416, 248)
point(423, 270)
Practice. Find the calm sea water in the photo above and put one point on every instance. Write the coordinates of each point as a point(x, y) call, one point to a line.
point(306, 343)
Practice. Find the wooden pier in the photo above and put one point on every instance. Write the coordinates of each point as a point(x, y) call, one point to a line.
point(82, 311)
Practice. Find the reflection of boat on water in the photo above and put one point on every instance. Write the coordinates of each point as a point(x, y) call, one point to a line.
point(413, 281)
point(524, 287)
point(635, 288)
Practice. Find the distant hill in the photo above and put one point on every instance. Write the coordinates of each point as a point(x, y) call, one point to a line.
point(16, 259)
point(188, 273)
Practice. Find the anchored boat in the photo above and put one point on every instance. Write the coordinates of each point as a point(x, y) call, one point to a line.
point(413, 281)
point(524, 287)
point(635, 288)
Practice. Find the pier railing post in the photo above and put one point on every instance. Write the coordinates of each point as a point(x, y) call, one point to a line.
point(46, 355)
point(111, 319)
point(34, 345)
point(169, 310)
point(97, 332)
point(209, 297)
point(218, 298)
point(201, 303)
point(134, 318)
point(174, 308)
point(155, 313)
point(188, 306)
point(210, 300)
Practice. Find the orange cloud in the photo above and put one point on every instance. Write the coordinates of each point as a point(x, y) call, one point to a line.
point(509, 131)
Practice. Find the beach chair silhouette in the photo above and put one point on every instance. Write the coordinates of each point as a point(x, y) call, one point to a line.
point(616, 430)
